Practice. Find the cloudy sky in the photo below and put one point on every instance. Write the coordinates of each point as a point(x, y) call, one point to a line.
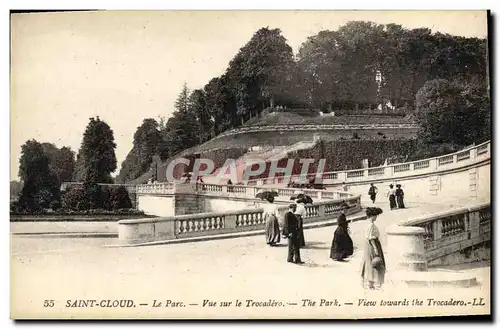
point(124, 66)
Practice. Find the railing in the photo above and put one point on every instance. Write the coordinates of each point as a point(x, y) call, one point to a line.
point(185, 226)
point(402, 167)
point(461, 158)
point(317, 127)
point(155, 188)
point(453, 230)
point(252, 191)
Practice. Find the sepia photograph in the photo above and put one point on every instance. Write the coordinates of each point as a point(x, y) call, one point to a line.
point(250, 164)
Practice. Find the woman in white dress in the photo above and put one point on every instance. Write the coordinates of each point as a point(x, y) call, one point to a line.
point(373, 266)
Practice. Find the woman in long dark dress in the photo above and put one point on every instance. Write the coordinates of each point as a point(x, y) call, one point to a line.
point(272, 227)
point(342, 246)
point(399, 196)
point(392, 197)
point(373, 271)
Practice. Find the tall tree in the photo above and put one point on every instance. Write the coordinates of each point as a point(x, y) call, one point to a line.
point(220, 101)
point(40, 183)
point(261, 72)
point(62, 161)
point(180, 130)
point(198, 108)
point(145, 146)
point(98, 152)
point(451, 113)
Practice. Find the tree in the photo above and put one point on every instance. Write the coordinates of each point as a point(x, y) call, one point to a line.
point(15, 189)
point(221, 106)
point(180, 130)
point(64, 164)
point(261, 72)
point(40, 183)
point(62, 161)
point(450, 112)
point(145, 146)
point(98, 152)
point(198, 108)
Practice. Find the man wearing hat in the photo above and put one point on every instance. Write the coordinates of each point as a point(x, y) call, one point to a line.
point(290, 231)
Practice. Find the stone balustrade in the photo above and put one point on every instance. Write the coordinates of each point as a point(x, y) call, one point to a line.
point(432, 239)
point(177, 227)
point(316, 127)
point(456, 160)
point(250, 191)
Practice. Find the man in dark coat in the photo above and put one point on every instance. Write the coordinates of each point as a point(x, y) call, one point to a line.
point(291, 231)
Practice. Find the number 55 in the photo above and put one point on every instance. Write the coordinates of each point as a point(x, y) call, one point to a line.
point(48, 303)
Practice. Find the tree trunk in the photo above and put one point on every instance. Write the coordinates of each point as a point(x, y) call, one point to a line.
point(272, 102)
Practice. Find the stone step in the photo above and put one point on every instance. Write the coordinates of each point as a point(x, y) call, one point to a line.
point(433, 278)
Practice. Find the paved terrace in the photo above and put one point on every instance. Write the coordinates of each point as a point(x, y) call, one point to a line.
point(218, 270)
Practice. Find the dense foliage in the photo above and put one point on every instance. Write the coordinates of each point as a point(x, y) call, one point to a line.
point(361, 66)
point(453, 113)
point(40, 181)
point(111, 198)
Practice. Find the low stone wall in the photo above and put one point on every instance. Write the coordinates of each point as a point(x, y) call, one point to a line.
point(446, 238)
point(186, 226)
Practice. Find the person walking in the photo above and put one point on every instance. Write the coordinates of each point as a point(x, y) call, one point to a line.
point(272, 228)
point(391, 193)
point(290, 231)
point(300, 213)
point(372, 192)
point(373, 266)
point(342, 245)
point(400, 196)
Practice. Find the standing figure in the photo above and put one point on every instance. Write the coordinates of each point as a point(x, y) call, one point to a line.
point(290, 231)
point(400, 196)
point(373, 265)
point(272, 227)
point(372, 192)
point(391, 193)
point(300, 213)
point(342, 246)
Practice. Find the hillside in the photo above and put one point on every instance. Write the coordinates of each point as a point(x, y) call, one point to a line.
point(235, 143)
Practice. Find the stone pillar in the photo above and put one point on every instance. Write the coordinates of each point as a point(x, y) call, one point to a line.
point(135, 231)
point(405, 248)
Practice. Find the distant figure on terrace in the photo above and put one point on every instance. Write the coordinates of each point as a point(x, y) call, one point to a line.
point(300, 213)
point(373, 266)
point(372, 192)
point(345, 187)
point(229, 187)
point(272, 227)
point(342, 245)
point(400, 196)
point(290, 231)
point(391, 193)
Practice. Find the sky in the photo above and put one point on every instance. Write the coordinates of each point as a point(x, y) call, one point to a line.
point(125, 66)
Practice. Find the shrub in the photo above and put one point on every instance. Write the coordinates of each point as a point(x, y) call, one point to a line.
point(73, 199)
point(119, 198)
